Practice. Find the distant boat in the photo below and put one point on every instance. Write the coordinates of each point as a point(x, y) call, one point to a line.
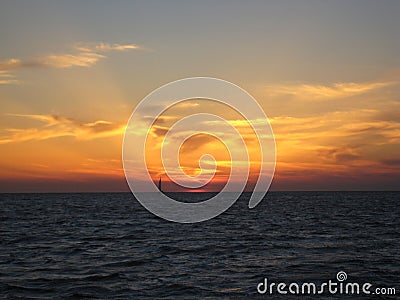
point(159, 185)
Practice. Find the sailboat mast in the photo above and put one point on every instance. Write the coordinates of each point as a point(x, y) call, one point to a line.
point(159, 184)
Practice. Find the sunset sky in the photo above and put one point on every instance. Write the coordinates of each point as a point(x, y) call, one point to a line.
point(326, 73)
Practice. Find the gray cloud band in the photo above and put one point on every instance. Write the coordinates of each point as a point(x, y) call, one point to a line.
point(153, 106)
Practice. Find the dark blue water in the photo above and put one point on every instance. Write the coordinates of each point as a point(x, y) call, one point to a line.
point(107, 246)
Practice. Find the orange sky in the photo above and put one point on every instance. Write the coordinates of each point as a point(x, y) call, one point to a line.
point(331, 91)
point(348, 149)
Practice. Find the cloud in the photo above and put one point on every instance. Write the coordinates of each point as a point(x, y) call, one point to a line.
point(59, 61)
point(11, 63)
point(59, 126)
point(343, 142)
point(105, 47)
point(159, 131)
point(339, 155)
point(345, 124)
point(85, 59)
point(187, 104)
point(340, 141)
point(336, 90)
point(391, 162)
point(83, 55)
point(7, 78)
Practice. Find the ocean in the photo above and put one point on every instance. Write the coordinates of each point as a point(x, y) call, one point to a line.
point(107, 246)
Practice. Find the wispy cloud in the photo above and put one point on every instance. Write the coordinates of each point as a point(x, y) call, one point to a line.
point(7, 78)
point(11, 63)
point(84, 59)
point(336, 90)
point(105, 47)
point(60, 126)
point(82, 55)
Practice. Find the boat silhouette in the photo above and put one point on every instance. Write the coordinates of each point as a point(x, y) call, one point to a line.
point(159, 184)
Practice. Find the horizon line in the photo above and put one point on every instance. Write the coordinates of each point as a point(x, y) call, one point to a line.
point(203, 192)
